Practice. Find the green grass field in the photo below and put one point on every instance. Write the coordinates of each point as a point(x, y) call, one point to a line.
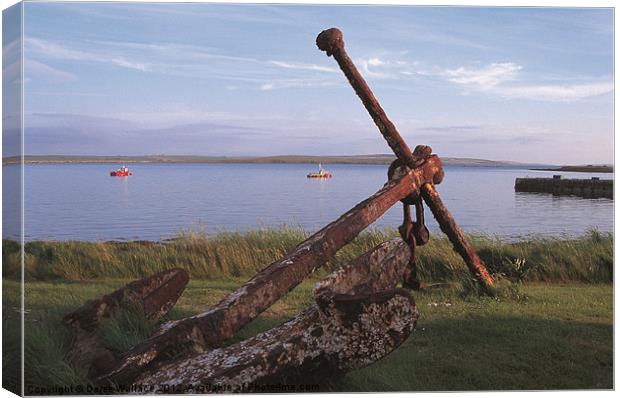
point(550, 328)
point(553, 337)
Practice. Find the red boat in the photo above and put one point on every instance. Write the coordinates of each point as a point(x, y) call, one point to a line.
point(122, 172)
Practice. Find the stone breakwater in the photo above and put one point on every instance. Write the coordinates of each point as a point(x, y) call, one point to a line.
point(587, 188)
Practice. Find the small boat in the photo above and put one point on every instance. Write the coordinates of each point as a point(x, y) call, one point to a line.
point(122, 172)
point(322, 173)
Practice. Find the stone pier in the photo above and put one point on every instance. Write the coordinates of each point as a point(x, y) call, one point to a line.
point(587, 188)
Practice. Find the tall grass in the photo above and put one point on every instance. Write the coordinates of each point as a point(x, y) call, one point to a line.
point(588, 258)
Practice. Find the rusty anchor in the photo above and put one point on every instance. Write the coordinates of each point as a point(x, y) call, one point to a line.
point(336, 334)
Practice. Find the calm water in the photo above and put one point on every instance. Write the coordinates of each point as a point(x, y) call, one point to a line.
point(82, 201)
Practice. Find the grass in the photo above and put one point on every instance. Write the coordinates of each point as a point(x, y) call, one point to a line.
point(551, 336)
point(550, 328)
point(559, 338)
point(241, 254)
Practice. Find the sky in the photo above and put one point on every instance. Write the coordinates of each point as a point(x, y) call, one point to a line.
point(519, 84)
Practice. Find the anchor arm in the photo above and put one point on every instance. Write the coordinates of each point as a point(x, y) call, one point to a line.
point(209, 329)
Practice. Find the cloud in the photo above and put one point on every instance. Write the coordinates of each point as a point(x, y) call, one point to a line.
point(425, 29)
point(128, 64)
point(499, 79)
point(168, 116)
point(375, 62)
point(277, 84)
point(53, 50)
point(11, 62)
point(95, 135)
point(381, 68)
point(503, 79)
point(312, 67)
point(451, 128)
point(36, 69)
point(564, 93)
point(484, 78)
point(66, 93)
point(188, 61)
point(264, 14)
point(12, 72)
point(11, 49)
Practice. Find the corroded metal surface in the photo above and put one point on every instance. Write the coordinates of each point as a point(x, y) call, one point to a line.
point(211, 328)
point(329, 344)
point(358, 320)
point(380, 269)
point(154, 295)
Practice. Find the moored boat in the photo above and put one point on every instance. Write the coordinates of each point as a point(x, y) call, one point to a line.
point(322, 173)
point(122, 172)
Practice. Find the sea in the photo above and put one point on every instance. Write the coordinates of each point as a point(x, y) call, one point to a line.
point(160, 201)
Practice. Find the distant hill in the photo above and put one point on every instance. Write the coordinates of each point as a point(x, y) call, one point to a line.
point(353, 159)
point(583, 169)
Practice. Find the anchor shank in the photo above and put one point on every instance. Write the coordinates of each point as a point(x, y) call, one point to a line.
point(332, 43)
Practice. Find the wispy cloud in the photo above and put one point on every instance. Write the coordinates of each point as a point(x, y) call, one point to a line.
point(11, 73)
point(11, 62)
point(451, 128)
point(170, 115)
point(498, 79)
point(429, 30)
point(297, 83)
point(36, 69)
point(376, 68)
point(182, 132)
point(66, 94)
point(483, 78)
point(312, 67)
point(187, 61)
point(564, 93)
point(503, 79)
point(235, 13)
point(54, 50)
point(11, 49)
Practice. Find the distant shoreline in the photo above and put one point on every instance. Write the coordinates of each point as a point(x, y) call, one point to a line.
point(581, 169)
point(354, 159)
point(379, 159)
